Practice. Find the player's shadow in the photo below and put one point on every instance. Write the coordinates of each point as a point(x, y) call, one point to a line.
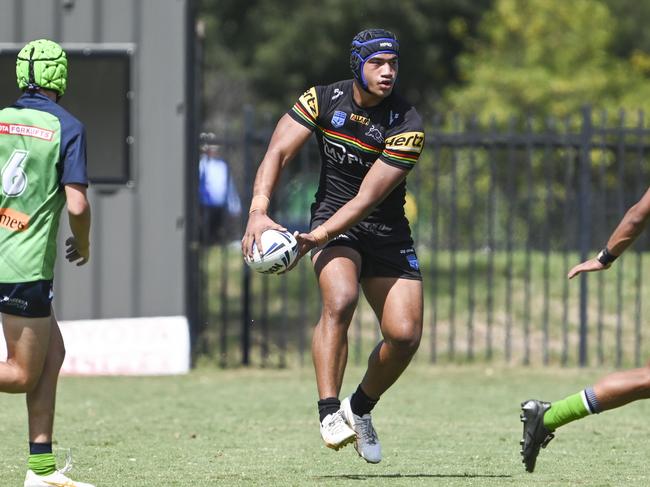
point(356, 476)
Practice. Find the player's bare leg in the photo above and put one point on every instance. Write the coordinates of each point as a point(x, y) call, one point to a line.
point(27, 344)
point(35, 354)
point(337, 269)
point(620, 388)
point(398, 305)
point(41, 400)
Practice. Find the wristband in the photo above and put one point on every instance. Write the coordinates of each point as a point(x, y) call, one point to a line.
point(605, 258)
point(259, 202)
point(320, 235)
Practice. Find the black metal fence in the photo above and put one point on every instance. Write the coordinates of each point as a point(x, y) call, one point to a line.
point(499, 215)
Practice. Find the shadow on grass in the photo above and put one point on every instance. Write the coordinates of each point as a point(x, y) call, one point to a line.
point(412, 476)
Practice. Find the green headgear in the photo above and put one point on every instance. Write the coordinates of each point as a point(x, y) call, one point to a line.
point(42, 64)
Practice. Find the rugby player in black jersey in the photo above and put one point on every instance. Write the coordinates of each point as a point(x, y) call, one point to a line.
point(369, 139)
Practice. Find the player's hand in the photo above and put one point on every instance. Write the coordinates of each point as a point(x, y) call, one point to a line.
point(258, 223)
point(75, 253)
point(306, 242)
point(591, 265)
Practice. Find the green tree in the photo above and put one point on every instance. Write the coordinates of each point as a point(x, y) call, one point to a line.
point(266, 52)
point(550, 57)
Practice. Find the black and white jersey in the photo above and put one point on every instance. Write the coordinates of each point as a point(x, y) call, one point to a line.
point(352, 138)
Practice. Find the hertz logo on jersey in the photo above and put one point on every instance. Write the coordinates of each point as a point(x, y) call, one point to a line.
point(310, 102)
point(408, 141)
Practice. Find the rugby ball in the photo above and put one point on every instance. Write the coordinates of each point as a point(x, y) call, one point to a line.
point(280, 251)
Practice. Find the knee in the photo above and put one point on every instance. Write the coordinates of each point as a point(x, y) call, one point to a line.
point(340, 309)
point(404, 344)
point(23, 381)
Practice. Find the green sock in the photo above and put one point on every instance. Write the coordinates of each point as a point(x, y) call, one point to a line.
point(42, 463)
point(564, 411)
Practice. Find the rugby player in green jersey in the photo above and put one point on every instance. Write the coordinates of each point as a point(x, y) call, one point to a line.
point(541, 418)
point(369, 139)
point(43, 169)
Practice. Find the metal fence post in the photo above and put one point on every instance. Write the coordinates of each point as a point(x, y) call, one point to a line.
point(195, 313)
point(584, 224)
point(246, 275)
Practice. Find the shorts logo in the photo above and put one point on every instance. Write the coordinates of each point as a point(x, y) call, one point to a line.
point(358, 118)
point(338, 119)
point(411, 258)
point(310, 102)
point(14, 302)
point(408, 141)
point(413, 261)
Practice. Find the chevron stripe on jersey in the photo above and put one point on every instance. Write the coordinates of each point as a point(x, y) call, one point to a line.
point(353, 141)
point(307, 107)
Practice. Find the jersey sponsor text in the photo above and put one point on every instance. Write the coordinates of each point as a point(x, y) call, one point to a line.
point(358, 118)
point(408, 141)
point(337, 153)
point(310, 102)
point(26, 130)
point(13, 220)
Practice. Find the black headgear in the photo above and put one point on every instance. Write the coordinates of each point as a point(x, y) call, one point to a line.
point(369, 43)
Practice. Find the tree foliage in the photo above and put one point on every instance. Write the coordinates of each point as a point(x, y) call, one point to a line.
point(485, 57)
point(266, 52)
point(550, 57)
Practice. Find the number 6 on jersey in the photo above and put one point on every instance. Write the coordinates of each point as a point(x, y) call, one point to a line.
point(14, 179)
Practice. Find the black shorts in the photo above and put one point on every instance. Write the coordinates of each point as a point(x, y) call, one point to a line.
point(386, 250)
point(28, 299)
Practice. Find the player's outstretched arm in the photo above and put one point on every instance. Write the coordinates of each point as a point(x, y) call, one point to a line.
point(78, 246)
point(287, 139)
point(629, 228)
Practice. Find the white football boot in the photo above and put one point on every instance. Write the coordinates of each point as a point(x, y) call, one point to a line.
point(335, 431)
point(55, 479)
point(366, 442)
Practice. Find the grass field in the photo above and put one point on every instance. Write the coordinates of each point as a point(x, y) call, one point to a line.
point(441, 426)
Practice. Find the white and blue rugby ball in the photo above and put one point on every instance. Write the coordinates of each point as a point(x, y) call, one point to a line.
point(280, 251)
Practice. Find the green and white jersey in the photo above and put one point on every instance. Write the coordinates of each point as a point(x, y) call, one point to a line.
point(38, 139)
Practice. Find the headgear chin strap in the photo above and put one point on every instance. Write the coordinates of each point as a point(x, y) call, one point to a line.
point(367, 44)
